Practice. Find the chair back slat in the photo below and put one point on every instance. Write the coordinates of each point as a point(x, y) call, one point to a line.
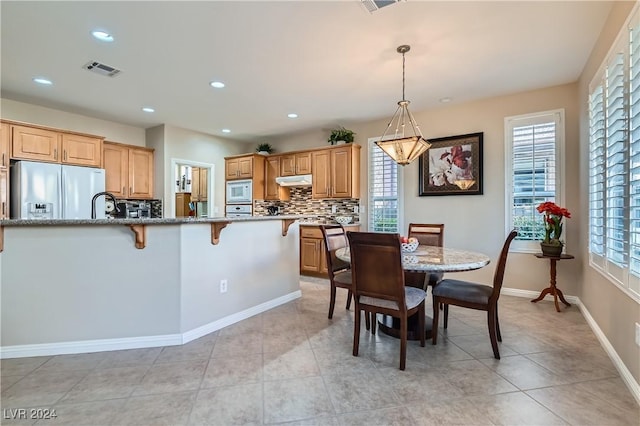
point(334, 238)
point(376, 266)
point(427, 234)
point(498, 276)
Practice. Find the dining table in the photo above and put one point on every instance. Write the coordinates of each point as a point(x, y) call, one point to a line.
point(427, 259)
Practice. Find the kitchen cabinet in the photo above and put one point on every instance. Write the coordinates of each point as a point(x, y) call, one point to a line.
point(182, 204)
point(240, 167)
point(4, 171)
point(273, 191)
point(313, 259)
point(199, 184)
point(128, 170)
point(296, 164)
point(4, 145)
point(336, 172)
point(50, 145)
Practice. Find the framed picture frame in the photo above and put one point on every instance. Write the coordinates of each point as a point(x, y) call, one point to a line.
point(452, 166)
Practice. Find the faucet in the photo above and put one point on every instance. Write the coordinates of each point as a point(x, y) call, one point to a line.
point(106, 195)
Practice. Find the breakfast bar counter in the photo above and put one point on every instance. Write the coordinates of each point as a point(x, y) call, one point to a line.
point(83, 286)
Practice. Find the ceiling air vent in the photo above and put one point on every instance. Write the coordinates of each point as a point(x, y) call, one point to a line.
point(101, 69)
point(373, 5)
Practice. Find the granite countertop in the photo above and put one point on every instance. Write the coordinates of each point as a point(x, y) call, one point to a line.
point(147, 221)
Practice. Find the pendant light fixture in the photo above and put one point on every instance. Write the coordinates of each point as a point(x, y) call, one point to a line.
point(406, 143)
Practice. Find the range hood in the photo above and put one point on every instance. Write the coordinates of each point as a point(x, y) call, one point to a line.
point(299, 180)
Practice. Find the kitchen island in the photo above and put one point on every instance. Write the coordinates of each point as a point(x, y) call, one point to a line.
point(70, 286)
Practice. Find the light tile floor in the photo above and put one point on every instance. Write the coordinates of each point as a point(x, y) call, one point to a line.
point(292, 365)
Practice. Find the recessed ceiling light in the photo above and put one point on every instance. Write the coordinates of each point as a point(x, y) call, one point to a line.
point(41, 80)
point(292, 115)
point(226, 131)
point(445, 100)
point(102, 36)
point(148, 109)
point(217, 84)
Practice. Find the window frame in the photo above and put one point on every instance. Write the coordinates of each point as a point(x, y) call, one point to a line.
point(515, 121)
point(400, 185)
point(618, 274)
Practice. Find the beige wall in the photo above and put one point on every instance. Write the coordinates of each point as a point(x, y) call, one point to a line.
point(19, 111)
point(190, 145)
point(615, 312)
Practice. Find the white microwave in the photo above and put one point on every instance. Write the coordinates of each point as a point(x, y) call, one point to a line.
point(239, 192)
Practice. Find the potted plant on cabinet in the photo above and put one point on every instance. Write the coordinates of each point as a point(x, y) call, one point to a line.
point(340, 135)
point(264, 149)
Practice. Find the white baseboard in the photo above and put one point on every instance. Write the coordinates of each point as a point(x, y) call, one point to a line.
point(232, 319)
point(625, 374)
point(86, 346)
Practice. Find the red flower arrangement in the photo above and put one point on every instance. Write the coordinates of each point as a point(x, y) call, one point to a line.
point(553, 215)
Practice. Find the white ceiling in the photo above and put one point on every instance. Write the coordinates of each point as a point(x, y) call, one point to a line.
point(332, 62)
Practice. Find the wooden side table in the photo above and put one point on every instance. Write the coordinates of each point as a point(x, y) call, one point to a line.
point(552, 289)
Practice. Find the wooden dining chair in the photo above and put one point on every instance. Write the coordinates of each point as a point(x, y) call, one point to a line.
point(474, 296)
point(378, 285)
point(428, 235)
point(338, 270)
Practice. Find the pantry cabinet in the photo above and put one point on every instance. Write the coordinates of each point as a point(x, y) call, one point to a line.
point(336, 172)
point(199, 184)
point(50, 145)
point(129, 170)
point(296, 164)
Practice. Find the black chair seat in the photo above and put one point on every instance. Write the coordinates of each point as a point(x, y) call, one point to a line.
point(463, 290)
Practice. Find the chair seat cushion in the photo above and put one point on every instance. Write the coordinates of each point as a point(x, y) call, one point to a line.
point(412, 296)
point(463, 290)
point(343, 278)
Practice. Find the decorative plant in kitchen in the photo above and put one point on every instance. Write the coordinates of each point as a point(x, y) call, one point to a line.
point(264, 148)
point(341, 134)
point(553, 214)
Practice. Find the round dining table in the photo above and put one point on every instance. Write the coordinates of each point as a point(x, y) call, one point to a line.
point(426, 259)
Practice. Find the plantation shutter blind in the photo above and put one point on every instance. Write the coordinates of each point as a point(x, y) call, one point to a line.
point(615, 162)
point(634, 158)
point(534, 175)
point(596, 172)
point(383, 191)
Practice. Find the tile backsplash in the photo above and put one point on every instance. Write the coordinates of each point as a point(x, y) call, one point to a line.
point(302, 203)
point(156, 206)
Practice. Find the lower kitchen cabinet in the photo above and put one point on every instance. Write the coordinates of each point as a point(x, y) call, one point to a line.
point(182, 204)
point(313, 260)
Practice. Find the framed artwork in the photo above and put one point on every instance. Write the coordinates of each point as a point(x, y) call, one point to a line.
point(452, 166)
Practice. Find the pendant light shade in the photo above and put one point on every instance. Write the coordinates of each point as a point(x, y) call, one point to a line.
point(406, 143)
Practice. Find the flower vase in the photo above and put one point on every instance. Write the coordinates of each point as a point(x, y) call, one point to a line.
point(551, 250)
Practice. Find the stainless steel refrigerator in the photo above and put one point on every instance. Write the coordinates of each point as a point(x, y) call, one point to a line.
point(54, 191)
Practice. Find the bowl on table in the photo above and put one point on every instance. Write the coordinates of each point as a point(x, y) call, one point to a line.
point(409, 247)
point(343, 220)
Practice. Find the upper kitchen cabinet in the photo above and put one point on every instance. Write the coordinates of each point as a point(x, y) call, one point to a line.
point(243, 167)
point(273, 191)
point(199, 184)
point(56, 146)
point(336, 172)
point(296, 164)
point(129, 170)
point(4, 145)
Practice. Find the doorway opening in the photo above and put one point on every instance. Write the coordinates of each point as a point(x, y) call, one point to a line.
point(192, 192)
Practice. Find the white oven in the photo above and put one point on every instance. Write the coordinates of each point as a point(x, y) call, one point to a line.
point(240, 192)
point(238, 210)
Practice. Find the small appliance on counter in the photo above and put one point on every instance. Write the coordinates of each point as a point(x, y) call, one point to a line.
point(133, 210)
point(272, 210)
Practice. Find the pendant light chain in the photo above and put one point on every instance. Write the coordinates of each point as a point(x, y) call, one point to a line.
point(403, 98)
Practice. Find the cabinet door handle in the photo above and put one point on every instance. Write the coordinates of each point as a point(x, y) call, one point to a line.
point(130, 190)
point(3, 163)
point(124, 191)
point(65, 155)
point(3, 208)
point(55, 153)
